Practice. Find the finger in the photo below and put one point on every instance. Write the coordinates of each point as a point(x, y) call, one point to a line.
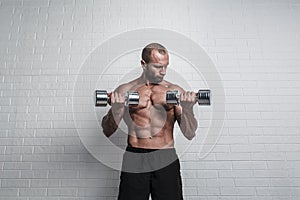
point(192, 97)
point(183, 96)
point(112, 97)
point(189, 97)
point(119, 97)
point(186, 96)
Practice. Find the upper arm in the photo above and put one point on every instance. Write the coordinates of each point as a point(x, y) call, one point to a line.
point(122, 89)
point(176, 87)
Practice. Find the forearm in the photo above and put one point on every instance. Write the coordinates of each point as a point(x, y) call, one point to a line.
point(188, 123)
point(110, 123)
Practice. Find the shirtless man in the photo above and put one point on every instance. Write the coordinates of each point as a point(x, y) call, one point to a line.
point(150, 127)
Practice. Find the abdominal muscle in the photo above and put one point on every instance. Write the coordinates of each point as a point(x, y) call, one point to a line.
point(151, 136)
point(151, 124)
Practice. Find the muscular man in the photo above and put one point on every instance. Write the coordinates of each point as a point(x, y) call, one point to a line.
point(150, 128)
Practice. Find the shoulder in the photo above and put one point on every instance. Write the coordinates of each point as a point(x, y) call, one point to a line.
point(125, 87)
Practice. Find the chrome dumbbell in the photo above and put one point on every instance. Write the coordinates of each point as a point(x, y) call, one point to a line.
point(102, 98)
point(203, 97)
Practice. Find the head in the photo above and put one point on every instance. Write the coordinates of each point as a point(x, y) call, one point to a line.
point(155, 59)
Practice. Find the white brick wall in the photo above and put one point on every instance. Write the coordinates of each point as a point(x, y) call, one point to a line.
point(254, 44)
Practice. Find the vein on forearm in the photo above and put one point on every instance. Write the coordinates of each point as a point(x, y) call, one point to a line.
point(187, 123)
point(109, 124)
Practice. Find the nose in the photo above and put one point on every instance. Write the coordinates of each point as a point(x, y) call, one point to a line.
point(163, 71)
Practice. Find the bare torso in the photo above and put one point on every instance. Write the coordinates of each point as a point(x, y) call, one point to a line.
point(151, 122)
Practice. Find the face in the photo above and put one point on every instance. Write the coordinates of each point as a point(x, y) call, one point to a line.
point(155, 70)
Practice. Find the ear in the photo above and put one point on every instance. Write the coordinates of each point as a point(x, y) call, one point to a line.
point(143, 63)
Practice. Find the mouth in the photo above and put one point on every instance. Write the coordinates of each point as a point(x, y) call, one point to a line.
point(157, 80)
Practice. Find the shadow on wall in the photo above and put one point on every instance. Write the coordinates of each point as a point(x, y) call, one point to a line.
point(76, 173)
point(85, 178)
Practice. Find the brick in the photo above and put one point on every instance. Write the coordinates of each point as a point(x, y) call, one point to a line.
point(9, 174)
point(251, 182)
point(61, 192)
point(48, 149)
point(16, 165)
point(239, 191)
point(35, 158)
point(235, 173)
point(45, 165)
point(241, 165)
point(94, 192)
point(268, 156)
point(16, 183)
point(7, 192)
point(247, 148)
point(44, 183)
point(10, 158)
point(37, 141)
point(86, 183)
point(224, 182)
point(67, 174)
point(270, 173)
point(34, 174)
point(207, 174)
point(33, 192)
point(64, 158)
point(279, 191)
point(66, 141)
point(96, 174)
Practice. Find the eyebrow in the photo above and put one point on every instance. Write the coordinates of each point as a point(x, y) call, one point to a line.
point(159, 65)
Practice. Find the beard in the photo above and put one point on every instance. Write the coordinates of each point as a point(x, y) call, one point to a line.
point(155, 80)
point(152, 78)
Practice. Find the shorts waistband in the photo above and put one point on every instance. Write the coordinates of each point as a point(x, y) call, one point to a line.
point(143, 150)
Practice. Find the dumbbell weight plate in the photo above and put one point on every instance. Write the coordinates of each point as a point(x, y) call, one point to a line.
point(132, 98)
point(172, 97)
point(204, 97)
point(101, 98)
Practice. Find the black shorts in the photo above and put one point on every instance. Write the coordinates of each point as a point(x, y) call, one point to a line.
point(163, 182)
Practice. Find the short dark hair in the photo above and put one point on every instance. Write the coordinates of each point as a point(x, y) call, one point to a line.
point(146, 53)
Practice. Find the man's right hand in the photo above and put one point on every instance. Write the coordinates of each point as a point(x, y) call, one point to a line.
point(117, 102)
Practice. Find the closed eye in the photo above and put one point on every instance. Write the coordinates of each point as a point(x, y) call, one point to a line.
point(159, 66)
